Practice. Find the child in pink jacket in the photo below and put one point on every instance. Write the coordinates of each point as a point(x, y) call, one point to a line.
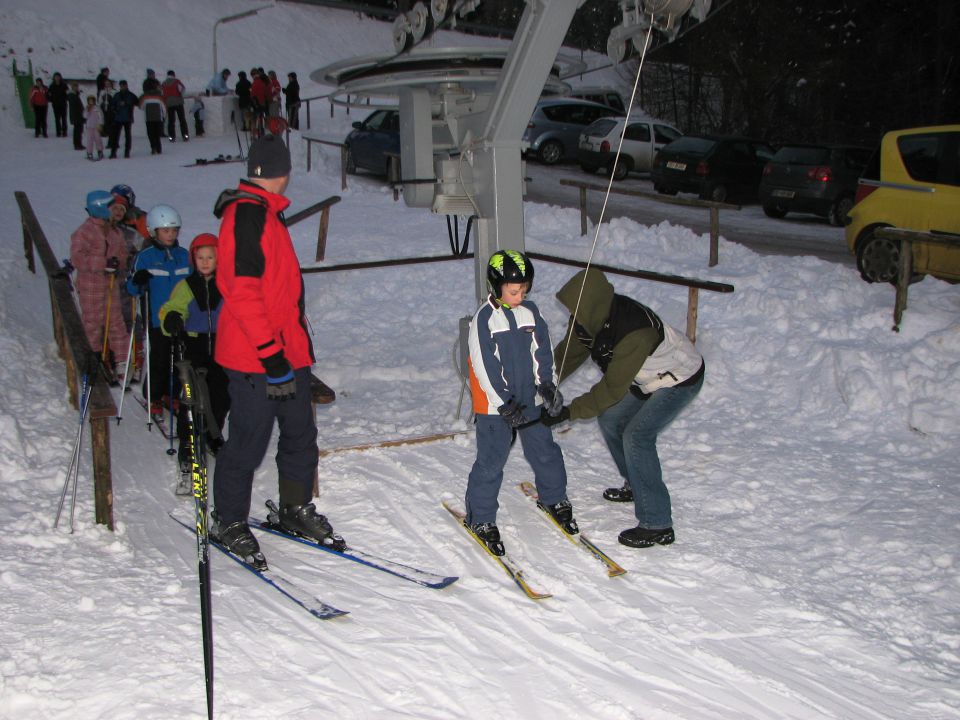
point(98, 252)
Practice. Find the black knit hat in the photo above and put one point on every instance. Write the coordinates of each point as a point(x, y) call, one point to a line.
point(268, 158)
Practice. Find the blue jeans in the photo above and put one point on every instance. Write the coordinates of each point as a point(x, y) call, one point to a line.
point(630, 429)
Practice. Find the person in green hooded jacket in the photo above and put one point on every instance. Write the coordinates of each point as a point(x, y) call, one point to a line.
point(651, 372)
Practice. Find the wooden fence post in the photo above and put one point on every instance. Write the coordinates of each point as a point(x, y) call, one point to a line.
point(583, 210)
point(693, 310)
point(714, 236)
point(102, 479)
point(903, 281)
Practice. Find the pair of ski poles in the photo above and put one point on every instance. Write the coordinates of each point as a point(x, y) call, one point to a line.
point(73, 471)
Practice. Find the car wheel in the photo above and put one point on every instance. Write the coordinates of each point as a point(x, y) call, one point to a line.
point(714, 193)
point(589, 169)
point(550, 152)
point(351, 163)
point(774, 211)
point(838, 213)
point(878, 259)
point(621, 170)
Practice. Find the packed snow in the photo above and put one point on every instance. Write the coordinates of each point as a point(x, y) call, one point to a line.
point(814, 479)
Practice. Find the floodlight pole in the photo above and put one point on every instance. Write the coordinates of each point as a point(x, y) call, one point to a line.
point(230, 18)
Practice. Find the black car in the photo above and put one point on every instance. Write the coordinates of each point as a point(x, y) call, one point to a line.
point(817, 179)
point(716, 168)
point(372, 142)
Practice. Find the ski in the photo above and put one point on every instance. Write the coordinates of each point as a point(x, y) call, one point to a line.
point(220, 159)
point(277, 581)
point(579, 539)
point(406, 572)
point(158, 420)
point(504, 561)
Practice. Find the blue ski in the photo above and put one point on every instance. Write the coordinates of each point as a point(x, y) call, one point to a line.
point(406, 572)
point(278, 582)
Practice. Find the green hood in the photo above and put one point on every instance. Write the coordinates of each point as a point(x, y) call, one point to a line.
point(595, 302)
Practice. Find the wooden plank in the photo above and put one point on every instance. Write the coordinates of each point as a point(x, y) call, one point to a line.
point(102, 479)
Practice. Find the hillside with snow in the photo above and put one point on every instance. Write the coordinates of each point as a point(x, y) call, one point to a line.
point(814, 480)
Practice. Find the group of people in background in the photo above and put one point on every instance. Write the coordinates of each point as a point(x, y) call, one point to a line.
point(110, 111)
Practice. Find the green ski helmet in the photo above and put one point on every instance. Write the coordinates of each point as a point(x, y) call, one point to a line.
point(508, 266)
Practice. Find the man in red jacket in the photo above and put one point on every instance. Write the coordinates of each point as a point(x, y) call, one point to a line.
point(263, 344)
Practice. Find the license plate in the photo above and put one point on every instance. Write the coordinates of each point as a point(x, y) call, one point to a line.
point(673, 165)
point(783, 193)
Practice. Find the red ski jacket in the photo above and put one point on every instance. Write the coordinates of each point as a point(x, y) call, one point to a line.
point(258, 275)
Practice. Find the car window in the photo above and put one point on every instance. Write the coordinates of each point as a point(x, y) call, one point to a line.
point(377, 120)
point(592, 113)
point(739, 152)
point(601, 127)
point(665, 133)
point(693, 145)
point(855, 158)
point(764, 152)
point(637, 131)
point(614, 101)
point(931, 158)
point(802, 155)
point(557, 113)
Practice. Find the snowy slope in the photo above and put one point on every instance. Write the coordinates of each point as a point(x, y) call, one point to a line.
point(814, 479)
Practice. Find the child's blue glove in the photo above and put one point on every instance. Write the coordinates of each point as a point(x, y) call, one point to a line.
point(512, 413)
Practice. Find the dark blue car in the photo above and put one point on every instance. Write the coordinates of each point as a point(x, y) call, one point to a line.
point(374, 143)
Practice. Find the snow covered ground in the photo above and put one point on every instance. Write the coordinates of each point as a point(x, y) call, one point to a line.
point(814, 479)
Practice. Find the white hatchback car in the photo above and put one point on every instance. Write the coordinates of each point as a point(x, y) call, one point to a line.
point(643, 138)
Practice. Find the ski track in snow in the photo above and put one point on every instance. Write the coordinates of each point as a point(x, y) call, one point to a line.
point(813, 479)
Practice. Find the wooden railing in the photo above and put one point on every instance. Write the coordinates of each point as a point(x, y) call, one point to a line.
point(333, 143)
point(713, 207)
point(76, 352)
point(322, 207)
point(906, 238)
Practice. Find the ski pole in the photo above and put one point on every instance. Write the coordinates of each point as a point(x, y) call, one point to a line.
point(106, 322)
point(126, 371)
point(170, 450)
point(146, 352)
point(74, 470)
point(195, 400)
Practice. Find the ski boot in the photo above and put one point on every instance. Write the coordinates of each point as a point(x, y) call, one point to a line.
point(489, 535)
point(303, 521)
point(620, 494)
point(640, 537)
point(237, 538)
point(562, 513)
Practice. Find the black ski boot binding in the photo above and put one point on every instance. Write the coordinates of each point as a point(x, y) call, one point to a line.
point(304, 521)
point(489, 535)
point(238, 539)
point(562, 512)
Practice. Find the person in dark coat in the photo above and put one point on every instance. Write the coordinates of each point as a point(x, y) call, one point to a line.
point(123, 104)
point(242, 89)
point(292, 93)
point(102, 78)
point(58, 100)
point(75, 104)
point(150, 82)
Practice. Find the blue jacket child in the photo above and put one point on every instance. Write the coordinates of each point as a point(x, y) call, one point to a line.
point(156, 271)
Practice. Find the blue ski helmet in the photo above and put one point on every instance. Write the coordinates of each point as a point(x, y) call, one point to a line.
point(125, 191)
point(98, 204)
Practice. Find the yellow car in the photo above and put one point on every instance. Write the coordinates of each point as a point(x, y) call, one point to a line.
point(912, 182)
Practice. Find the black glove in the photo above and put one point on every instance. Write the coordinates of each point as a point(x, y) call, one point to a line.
point(141, 278)
point(281, 384)
point(173, 323)
point(550, 420)
point(113, 264)
point(552, 399)
point(512, 413)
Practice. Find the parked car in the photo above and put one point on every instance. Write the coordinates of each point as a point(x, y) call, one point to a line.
point(372, 141)
point(817, 179)
point(912, 182)
point(643, 138)
point(610, 97)
point(716, 168)
point(555, 126)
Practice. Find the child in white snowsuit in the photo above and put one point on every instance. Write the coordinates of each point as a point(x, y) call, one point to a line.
point(93, 122)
